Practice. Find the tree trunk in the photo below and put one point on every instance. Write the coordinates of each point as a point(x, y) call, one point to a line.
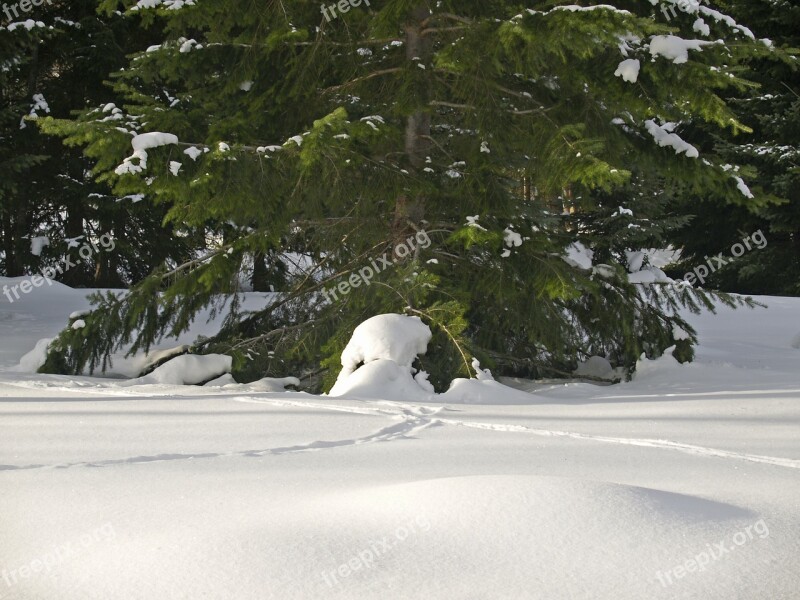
point(409, 212)
point(260, 278)
point(13, 268)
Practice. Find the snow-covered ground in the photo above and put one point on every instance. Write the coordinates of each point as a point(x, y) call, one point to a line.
point(684, 483)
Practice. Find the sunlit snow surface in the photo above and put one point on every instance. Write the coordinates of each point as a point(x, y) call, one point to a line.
point(113, 491)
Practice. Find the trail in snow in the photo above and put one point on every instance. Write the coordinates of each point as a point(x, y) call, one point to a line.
point(429, 412)
point(410, 424)
point(643, 442)
point(413, 419)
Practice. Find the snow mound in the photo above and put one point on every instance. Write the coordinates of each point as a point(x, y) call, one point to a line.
point(520, 529)
point(382, 378)
point(188, 369)
point(391, 336)
point(33, 360)
point(483, 391)
point(223, 380)
point(667, 372)
point(376, 363)
point(267, 384)
point(595, 366)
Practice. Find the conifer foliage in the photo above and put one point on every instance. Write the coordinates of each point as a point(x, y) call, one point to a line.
point(529, 143)
point(770, 155)
point(54, 58)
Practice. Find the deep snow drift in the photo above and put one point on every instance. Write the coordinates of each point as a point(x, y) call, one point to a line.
point(683, 483)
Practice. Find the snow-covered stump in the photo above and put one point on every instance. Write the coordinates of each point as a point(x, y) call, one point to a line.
point(377, 361)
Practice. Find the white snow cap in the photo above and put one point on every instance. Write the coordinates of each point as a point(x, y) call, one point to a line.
point(675, 48)
point(399, 338)
point(663, 136)
point(154, 139)
point(628, 69)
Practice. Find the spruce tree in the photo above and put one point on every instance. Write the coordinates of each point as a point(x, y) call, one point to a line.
point(55, 59)
point(329, 136)
point(770, 158)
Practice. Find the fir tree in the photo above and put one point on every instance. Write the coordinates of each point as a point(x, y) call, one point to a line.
point(336, 136)
point(769, 157)
point(55, 59)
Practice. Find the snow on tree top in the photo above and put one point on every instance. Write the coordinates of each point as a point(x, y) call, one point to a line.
point(675, 48)
point(145, 141)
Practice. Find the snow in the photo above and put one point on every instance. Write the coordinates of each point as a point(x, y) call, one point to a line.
point(141, 143)
point(31, 361)
point(663, 136)
point(267, 384)
point(628, 69)
point(679, 334)
point(728, 20)
point(168, 4)
point(579, 256)
point(26, 321)
point(382, 378)
point(189, 369)
point(298, 139)
point(675, 48)
point(649, 274)
point(377, 364)
point(700, 27)
point(155, 139)
point(610, 492)
point(189, 45)
point(399, 338)
point(596, 367)
point(193, 152)
point(38, 243)
point(472, 221)
point(39, 103)
point(511, 238)
point(742, 187)
point(27, 24)
point(483, 391)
